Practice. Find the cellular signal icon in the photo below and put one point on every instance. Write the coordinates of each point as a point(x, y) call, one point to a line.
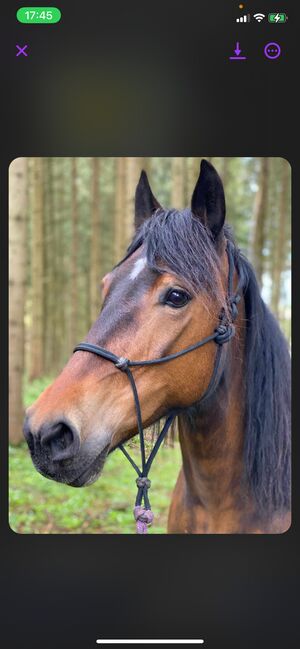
point(243, 19)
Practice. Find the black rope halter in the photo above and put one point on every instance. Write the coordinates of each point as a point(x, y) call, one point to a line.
point(222, 334)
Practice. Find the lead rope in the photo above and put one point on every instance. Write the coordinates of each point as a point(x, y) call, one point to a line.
point(142, 512)
point(223, 333)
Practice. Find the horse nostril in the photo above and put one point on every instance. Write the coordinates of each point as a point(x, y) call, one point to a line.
point(61, 440)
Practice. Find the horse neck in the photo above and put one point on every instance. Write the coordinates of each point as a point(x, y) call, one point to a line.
point(231, 481)
point(211, 438)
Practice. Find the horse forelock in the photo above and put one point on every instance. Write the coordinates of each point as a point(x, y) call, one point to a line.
point(177, 242)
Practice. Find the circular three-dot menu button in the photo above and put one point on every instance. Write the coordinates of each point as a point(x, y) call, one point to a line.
point(272, 50)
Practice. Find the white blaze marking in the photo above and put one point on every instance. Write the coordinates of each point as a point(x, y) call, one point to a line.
point(138, 266)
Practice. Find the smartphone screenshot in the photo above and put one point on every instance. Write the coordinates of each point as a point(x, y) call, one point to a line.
point(149, 181)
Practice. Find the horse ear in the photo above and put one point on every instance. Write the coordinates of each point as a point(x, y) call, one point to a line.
point(208, 200)
point(145, 202)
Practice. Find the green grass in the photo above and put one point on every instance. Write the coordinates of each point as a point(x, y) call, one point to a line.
point(41, 506)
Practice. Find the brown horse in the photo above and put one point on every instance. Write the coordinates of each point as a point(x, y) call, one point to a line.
point(164, 296)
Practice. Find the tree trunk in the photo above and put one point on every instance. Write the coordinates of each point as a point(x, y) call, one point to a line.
point(37, 279)
point(177, 194)
point(49, 266)
point(132, 176)
point(260, 212)
point(17, 283)
point(95, 252)
point(46, 262)
point(74, 255)
point(281, 240)
point(193, 174)
point(69, 342)
point(186, 178)
point(58, 252)
point(120, 201)
point(224, 172)
point(145, 164)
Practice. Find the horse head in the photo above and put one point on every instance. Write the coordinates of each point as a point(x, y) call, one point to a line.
point(165, 295)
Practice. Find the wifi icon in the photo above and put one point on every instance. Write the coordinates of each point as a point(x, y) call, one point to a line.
point(259, 17)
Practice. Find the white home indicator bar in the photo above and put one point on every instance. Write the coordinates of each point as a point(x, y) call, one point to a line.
point(99, 641)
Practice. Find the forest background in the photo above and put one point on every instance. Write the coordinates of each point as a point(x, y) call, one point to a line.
point(70, 221)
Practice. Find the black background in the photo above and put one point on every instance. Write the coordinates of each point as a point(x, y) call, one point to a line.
point(151, 78)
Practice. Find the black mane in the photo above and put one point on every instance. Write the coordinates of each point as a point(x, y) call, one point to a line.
point(181, 243)
point(267, 445)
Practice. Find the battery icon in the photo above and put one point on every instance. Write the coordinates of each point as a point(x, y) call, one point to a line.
point(277, 18)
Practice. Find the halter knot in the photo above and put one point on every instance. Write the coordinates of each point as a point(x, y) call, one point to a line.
point(225, 332)
point(122, 363)
point(143, 483)
point(144, 518)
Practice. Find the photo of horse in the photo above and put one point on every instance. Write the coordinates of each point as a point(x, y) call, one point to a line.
point(181, 339)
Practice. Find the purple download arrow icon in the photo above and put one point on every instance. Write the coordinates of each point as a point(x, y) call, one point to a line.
point(237, 53)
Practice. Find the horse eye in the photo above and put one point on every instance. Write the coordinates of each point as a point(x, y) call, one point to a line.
point(177, 298)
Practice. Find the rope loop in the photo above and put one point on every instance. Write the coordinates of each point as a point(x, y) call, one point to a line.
point(233, 302)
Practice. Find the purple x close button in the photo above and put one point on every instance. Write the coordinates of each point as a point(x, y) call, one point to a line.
point(21, 50)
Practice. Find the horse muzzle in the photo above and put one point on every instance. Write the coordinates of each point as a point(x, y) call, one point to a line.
point(58, 454)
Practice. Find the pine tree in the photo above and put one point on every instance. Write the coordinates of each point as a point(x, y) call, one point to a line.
point(17, 283)
point(260, 218)
point(37, 268)
point(95, 252)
